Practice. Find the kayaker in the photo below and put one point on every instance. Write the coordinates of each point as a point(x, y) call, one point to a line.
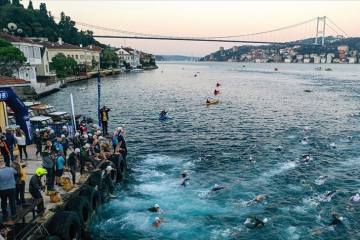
point(163, 114)
point(207, 101)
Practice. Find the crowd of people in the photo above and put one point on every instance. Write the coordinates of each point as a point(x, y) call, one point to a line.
point(58, 153)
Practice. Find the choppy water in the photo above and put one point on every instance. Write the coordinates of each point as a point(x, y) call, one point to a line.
point(260, 110)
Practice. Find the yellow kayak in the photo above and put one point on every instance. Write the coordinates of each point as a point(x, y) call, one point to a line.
point(212, 102)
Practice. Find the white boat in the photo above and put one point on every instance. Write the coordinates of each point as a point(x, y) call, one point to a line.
point(136, 70)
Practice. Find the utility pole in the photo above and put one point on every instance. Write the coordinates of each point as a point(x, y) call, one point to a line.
point(320, 30)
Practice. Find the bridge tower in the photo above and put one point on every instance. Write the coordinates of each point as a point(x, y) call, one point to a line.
point(320, 30)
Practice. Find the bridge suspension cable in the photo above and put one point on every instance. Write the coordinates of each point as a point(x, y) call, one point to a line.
point(185, 37)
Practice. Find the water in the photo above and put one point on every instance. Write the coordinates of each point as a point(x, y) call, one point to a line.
point(260, 110)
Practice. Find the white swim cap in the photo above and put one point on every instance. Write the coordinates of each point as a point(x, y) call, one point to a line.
point(109, 168)
point(156, 205)
point(77, 150)
point(157, 219)
point(77, 134)
point(62, 135)
point(87, 145)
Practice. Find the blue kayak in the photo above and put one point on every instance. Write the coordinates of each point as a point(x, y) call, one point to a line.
point(163, 118)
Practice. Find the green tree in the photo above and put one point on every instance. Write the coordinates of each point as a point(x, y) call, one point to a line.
point(64, 66)
point(11, 58)
point(4, 2)
point(43, 10)
point(16, 3)
point(30, 6)
point(109, 58)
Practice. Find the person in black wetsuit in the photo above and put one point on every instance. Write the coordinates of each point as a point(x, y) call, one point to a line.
point(337, 220)
point(155, 208)
point(184, 178)
point(121, 144)
point(217, 188)
point(72, 162)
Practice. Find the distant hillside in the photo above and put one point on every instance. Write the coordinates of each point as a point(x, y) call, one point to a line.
point(175, 58)
point(331, 43)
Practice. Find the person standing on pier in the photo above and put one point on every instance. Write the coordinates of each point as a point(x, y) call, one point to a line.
point(10, 140)
point(37, 141)
point(35, 188)
point(5, 151)
point(73, 163)
point(21, 142)
point(104, 113)
point(7, 190)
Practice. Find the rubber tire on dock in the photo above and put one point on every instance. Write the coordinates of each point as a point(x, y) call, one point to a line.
point(65, 225)
point(95, 179)
point(81, 206)
point(92, 195)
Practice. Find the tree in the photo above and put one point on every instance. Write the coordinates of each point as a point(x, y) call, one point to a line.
point(30, 7)
point(11, 58)
point(16, 3)
point(109, 58)
point(63, 66)
point(42, 10)
point(4, 2)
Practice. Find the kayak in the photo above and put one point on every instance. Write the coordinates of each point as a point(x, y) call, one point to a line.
point(212, 102)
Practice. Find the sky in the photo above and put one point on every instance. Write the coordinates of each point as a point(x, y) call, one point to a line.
point(203, 18)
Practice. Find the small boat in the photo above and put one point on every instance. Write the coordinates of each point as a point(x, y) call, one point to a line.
point(136, 70)
point(163, 118)
point(328, 69)
point(212, 102)
point(276, 69)
point(318, 69)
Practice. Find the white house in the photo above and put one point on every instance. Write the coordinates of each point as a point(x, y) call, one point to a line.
point(130, 56)
point(31, 51)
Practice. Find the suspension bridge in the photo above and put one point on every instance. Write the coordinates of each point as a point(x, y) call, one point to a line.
point(317, 28)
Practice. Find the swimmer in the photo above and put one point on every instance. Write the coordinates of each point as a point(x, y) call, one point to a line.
point(355, 198)
point(251, 159)
point(155, 208)
point(321, 180)
point(260, 198)
point(184, 178)
point(158, 222)
point(217, 188)
point(304, 141)
point(218, 84)
point(327, 196)
point(336, 219)
point(306, 158)
point(332, 145)
point(254, 222)
point(279, 148)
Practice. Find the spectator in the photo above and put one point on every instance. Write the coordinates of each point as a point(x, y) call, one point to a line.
point(77, 142)
point(65, 143)
point(5, 151)
point(58, 146)
point(35, 188)
point(10, 140)
point(73, 163)
point(20, 182)
point(84, 157)
point(48, 164)
point(7, 191)
point(59, 164)
point(38, 142)
point(104, 112)
point(21, 142)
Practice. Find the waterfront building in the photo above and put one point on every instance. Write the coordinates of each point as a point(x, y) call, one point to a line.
point(31, 51)
point(88, 56)
point(130, 56)
point(317, 59)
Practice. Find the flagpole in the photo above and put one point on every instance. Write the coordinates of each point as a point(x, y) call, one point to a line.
point(73, 111)
point(99, 97)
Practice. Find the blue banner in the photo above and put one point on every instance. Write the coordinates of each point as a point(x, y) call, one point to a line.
point(21, 113)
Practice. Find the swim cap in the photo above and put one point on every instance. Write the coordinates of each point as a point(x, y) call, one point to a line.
point(157, 219)
point(40, 172)
point(77, 150)
point(109, 168)
point(156, 205)
point(87, 145)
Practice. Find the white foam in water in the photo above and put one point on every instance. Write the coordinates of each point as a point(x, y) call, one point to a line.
point(291, 232)
point(280, 169)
